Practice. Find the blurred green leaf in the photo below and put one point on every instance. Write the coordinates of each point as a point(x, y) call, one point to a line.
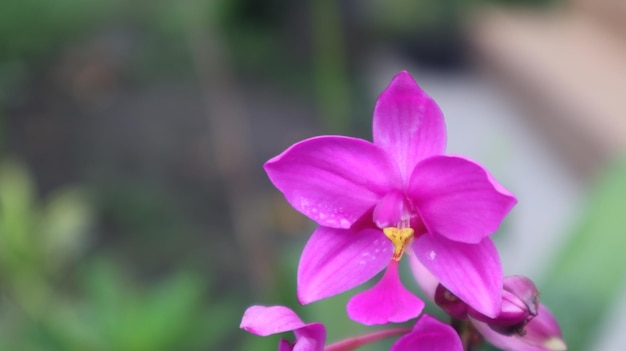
point(16, 216)
point(169, 316)
point(22, 36)
point(105, 311)
point(221, 318)
point(68, 327)
point(162, 318)
point(588, 275)
point(104, 293)
point(65, 222)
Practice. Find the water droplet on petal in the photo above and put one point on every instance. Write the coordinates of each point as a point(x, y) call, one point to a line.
point(432, 255)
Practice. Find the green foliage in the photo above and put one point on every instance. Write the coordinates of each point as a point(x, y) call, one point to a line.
point(65, 223)
point(410, 16)
point(51, 305)
point(588, 275)
point(39, 239)
point(16, 218)
point(169, 316)
point(30, 28)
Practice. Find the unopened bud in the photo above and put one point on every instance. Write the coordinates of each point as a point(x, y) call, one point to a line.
point(525, 290)
point(542, 333)
point(520, 300)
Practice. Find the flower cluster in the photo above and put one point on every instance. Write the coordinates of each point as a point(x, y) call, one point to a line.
point(401, 194)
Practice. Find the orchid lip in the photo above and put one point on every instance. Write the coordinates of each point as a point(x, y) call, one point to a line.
point(400, 238)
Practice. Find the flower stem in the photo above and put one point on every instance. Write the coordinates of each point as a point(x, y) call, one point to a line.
point(353, 343)
point(470, 337)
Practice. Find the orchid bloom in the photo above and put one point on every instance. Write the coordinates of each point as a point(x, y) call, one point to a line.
point(401, 193)
point(428, 334)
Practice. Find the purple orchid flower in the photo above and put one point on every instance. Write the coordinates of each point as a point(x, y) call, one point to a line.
point(264, 321)
point(428, 334)
point(374, 201)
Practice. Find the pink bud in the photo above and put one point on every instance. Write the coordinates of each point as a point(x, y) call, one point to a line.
point(542, 333)
point(525, 290)
point(520, 300)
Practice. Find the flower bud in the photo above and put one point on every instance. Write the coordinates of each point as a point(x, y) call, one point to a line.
point(525, 290)
point(542, 333)
point(520, 300)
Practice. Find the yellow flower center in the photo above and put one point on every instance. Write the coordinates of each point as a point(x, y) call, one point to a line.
point(400, 238)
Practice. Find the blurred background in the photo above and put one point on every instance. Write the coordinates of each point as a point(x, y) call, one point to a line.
point(134, 210)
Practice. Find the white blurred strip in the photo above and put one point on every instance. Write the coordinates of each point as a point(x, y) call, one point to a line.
point(612, 336)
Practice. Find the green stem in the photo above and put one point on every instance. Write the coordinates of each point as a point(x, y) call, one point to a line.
point(470, 337)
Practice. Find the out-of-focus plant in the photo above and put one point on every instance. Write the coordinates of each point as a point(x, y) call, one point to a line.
point(588, 276)
point(119, 315)
point(37, 241)
point(54, 298)
point(30, 30)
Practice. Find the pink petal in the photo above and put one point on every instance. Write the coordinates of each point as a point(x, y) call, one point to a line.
point(333, 180)
point(458, 198)
point(336, 260)
point(514, 315)
point(264, 321)
point(429, 335)
point(284, 345)
point(387, 301)
point(472, 272)
point(426, 280)
point(542, 334)
point(310, 338)
point(390, 209)
point(408, 124)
